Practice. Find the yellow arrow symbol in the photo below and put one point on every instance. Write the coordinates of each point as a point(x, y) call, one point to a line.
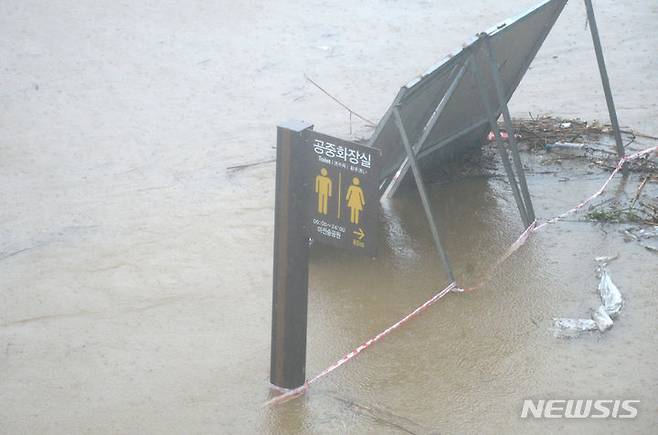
point(360, 234)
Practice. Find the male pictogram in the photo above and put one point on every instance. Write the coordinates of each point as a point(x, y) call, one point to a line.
point(323, 189)
point(355, 200)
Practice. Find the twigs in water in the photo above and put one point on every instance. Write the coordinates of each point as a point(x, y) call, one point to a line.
point(343, 105)
point(249, 165)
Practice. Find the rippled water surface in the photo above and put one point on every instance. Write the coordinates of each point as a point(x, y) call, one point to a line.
point(135, 268)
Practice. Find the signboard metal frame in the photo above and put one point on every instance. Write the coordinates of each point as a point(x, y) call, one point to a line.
point(419, 99)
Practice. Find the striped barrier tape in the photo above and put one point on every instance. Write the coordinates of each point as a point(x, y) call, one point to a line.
point(452, 287)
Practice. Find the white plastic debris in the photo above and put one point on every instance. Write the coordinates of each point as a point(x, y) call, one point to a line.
point(605, 259)
point(573, 327)
point(602, 316)
point(649, 247)
point(610, 294)
point(565, 125)
point(602, 319)
point(567, 148)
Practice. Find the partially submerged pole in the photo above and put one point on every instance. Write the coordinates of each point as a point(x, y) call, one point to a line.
point(420, 184)
point(498, 84)
point(290, 275)
point(502, 151)
point(594, 30)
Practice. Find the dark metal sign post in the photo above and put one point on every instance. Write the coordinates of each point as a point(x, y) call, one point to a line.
point(327, 190)
point(290, 275)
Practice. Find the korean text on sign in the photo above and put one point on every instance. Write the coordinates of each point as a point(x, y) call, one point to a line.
point(340, 152)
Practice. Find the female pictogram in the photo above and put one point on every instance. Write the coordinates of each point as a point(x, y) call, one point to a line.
point(355, 200)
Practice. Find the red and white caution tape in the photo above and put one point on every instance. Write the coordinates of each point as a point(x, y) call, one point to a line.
point(523, 238)
point(601, 189)
point(525, 235)
point(301, 390)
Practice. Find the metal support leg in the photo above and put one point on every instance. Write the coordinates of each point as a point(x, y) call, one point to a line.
point(404, 168)
point(491, 116)
point(423, 194)
point(510, 130)
point(604, 77)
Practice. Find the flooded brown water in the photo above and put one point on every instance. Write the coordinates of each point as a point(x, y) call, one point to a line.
point(135, 270)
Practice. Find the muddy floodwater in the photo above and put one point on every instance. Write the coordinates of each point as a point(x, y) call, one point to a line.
point(136, 267)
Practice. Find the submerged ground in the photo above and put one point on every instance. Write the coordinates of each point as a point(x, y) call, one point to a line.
point(135, 270)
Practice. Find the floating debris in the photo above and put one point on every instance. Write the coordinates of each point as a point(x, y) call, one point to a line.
point(650, 248)
point(615, 211)
point(604, 260)
point(249, 165)
point(543, 130)
point(602, 316)
point(567, 149)
point(573, 327)
point(602, 319)
point(640, 235)
point(610, 294)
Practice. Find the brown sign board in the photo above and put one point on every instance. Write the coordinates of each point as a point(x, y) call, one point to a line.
point(342, 192)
